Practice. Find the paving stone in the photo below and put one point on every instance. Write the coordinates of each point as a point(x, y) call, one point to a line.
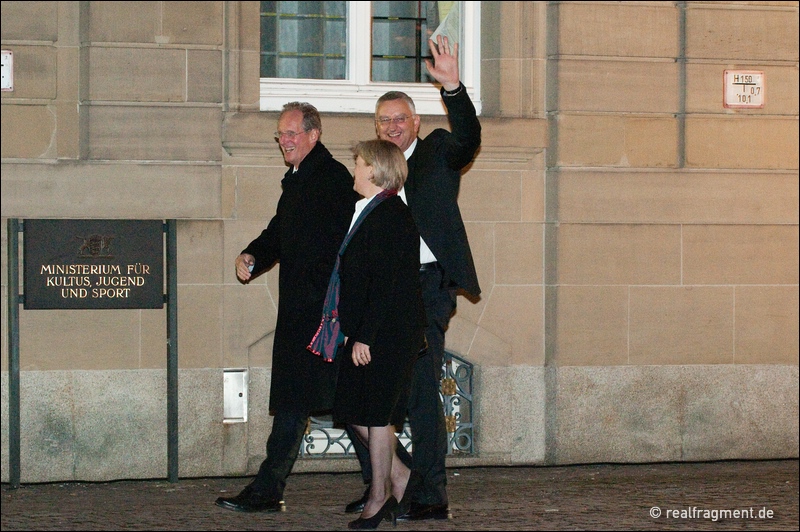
point(689, 496)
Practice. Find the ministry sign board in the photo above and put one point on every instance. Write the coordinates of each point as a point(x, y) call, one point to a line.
point(93, 264)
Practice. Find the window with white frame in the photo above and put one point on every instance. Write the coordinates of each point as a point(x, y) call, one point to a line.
point(342, 56)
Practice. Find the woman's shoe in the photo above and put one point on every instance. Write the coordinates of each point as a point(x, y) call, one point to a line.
point(388, 511)
point(414, 482)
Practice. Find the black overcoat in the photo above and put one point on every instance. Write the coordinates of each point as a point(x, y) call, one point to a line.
point(311, 221)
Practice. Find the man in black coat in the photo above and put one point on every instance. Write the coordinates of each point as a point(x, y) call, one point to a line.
point(431, 192)
point(312, 219)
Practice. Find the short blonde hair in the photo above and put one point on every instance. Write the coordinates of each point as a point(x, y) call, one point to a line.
point(387, 161)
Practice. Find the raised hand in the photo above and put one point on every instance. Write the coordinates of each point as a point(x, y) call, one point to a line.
point(444, 67)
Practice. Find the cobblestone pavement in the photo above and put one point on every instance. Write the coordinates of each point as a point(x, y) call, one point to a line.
point(726, 495)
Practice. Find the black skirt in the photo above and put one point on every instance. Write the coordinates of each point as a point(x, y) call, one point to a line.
point(377, 394)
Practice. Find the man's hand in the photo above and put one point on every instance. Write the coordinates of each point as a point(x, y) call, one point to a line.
point(444, 69)
point(244, 262)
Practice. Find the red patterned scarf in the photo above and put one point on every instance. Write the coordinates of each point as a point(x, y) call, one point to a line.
point(329, 335)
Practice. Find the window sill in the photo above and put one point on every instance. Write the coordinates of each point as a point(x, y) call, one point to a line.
point(345, 97)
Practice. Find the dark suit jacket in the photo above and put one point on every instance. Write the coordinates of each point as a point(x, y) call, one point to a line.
point(434, 178)
point(312, 218)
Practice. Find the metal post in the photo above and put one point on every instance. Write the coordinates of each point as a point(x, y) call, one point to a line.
point(13, 353)
point(172, 350)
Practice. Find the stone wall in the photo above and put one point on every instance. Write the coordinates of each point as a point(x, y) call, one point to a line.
point(636, 242)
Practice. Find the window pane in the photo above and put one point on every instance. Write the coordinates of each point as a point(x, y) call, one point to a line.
point(303, 40)
point(398, 32)
point(332, 66)
point(308, 40)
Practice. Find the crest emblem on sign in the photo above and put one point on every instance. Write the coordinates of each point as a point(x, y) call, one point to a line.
point(95, 247)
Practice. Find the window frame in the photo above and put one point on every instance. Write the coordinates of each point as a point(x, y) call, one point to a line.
point(357, 94)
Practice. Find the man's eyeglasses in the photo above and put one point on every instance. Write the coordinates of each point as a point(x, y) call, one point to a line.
point(288, 134)
point(384, 121)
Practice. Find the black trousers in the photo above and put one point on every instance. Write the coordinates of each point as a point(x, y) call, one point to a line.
point(283, 446)
point(425, 409)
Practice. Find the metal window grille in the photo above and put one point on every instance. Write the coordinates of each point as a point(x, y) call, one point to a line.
point(323, 439)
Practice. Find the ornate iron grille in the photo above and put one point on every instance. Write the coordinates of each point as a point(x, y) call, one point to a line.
point(323, 439)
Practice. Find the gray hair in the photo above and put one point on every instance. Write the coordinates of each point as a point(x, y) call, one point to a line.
point(311, 119)
point(396, 95)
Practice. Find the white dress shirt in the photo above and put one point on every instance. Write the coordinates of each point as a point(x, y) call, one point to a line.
point(425, 253)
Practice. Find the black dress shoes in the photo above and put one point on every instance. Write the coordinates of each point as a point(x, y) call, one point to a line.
point(422, 512)
point(250, 501)
point(356, 507)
